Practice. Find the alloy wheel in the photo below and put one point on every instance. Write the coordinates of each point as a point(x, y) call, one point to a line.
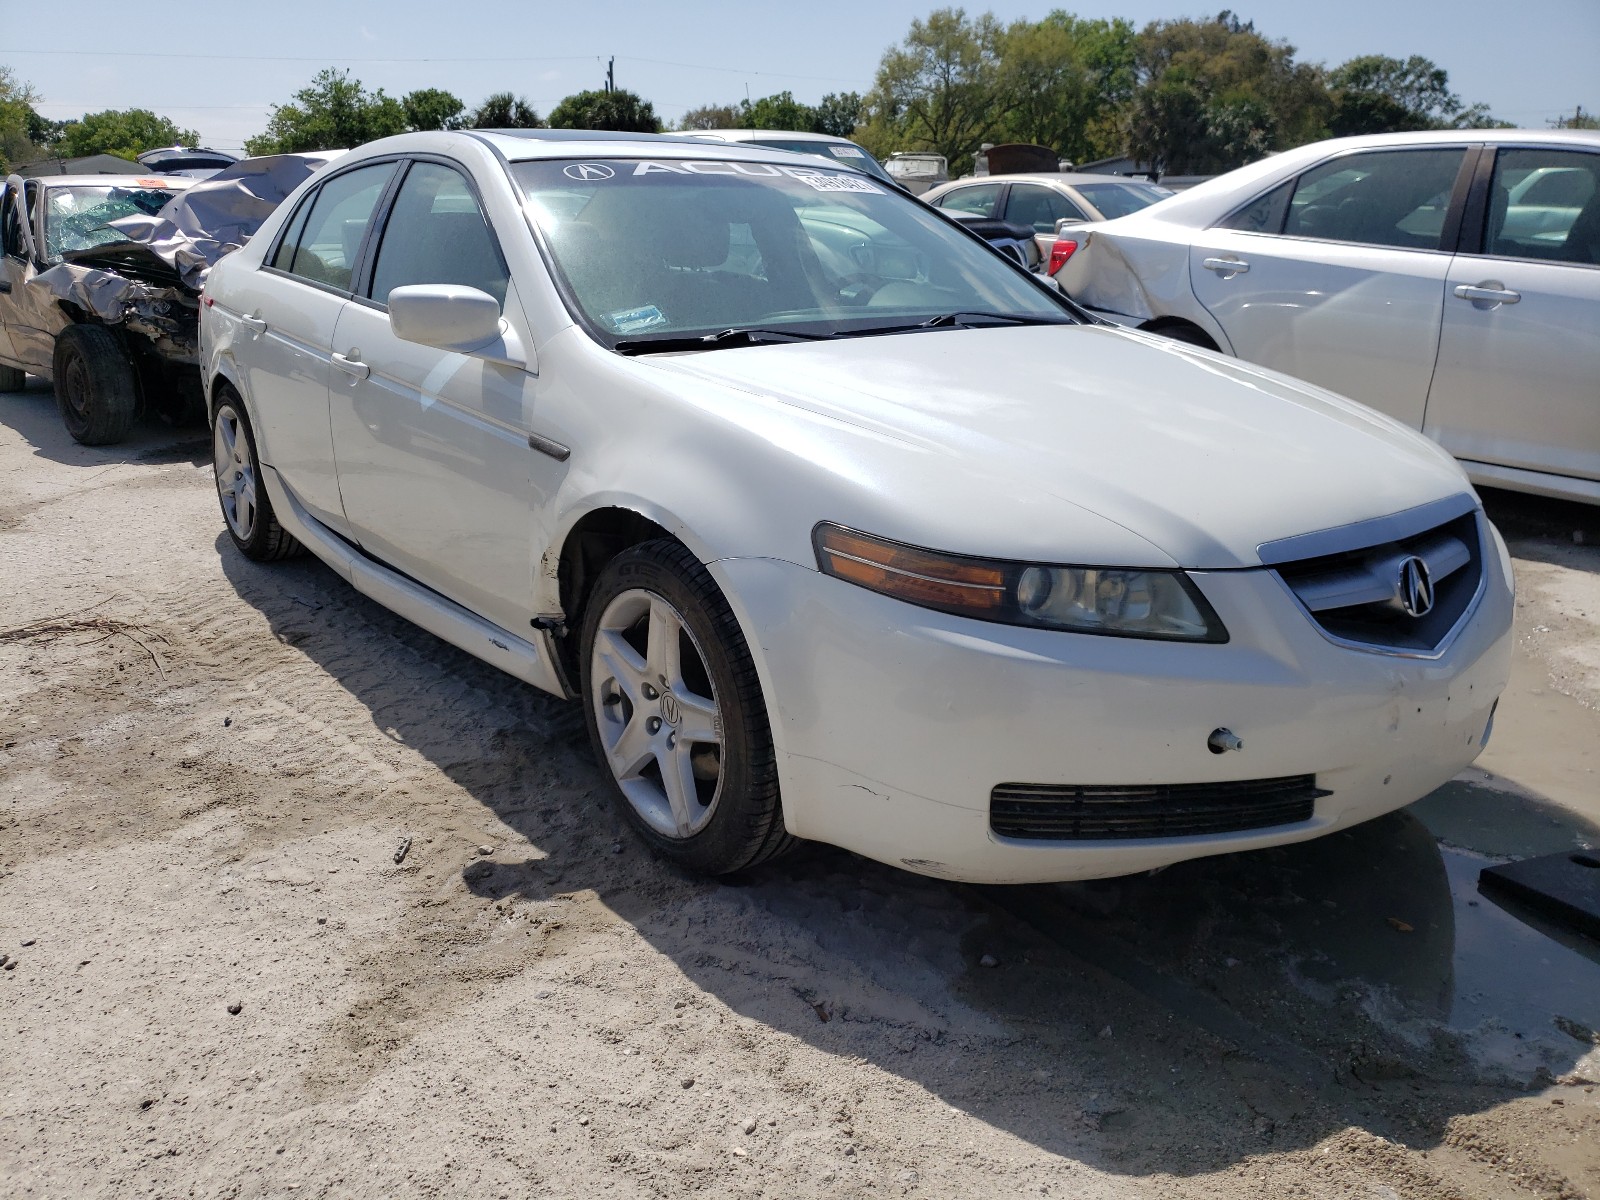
point(236, 474)
point(656, 710)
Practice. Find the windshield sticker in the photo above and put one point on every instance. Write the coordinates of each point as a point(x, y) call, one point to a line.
point(845, 152)
point(632, 320)
point(820, 179)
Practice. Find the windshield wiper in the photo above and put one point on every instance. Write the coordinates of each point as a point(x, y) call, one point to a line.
point(958, 320)
point(716, 341)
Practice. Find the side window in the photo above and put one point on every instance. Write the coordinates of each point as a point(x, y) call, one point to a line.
point(1545, 204)
point(436, 233)
point(283, 257)
point(331, 233)
point(1038, 206)
point(1264, 214)
point(1385, 198)
point(979, 199)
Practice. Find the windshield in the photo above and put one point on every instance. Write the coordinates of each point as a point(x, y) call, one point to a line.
point(674, 248)
point(75, 218)
point(1120, 199)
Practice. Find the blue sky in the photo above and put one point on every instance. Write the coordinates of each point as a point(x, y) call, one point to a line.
point(218, 67)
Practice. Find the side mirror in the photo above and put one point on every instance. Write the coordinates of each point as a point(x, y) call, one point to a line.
point(451, 317)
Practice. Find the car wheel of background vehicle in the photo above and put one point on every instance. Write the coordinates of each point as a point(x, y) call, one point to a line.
point(95, 386)
point(1179, 331)
point(12, 379)
point(675, 712)
point(246, 507)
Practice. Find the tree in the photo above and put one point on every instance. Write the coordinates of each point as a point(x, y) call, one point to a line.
point(711, 116)
point(20, 126)
point(127, 133)
point(616, 109)
point(781, 111)
point(1064, 79)
point(432, 108)
point(504, 111)
point(1215, 94)
point(837, 114)
point(334, 113)
point(1378, 94)
point(940, 88)
point(1578, 120)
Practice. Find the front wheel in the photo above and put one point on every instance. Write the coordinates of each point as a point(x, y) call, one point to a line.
point(95, 385)
point(676, 715)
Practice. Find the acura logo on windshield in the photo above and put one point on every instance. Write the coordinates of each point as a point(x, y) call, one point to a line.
point(1416, 587)
point(588, 171)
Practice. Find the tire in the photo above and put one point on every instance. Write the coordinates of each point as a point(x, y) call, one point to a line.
point(12, 379)
point(246, 508)
point(709, 804)
point(95, 385)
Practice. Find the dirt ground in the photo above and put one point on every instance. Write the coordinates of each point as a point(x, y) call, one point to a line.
point(219, 980)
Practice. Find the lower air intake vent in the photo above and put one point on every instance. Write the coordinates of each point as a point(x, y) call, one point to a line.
point(1089, 812)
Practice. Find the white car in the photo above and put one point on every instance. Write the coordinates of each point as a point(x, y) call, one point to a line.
point(823, 145)
point(751, 455)
point(1449, 279)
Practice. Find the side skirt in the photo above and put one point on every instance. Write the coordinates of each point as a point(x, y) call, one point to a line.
point(530, 661)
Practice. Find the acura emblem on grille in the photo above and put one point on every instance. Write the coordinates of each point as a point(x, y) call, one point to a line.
point(1416, 587)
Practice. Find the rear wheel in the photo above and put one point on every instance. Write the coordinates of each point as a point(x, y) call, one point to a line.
point(12, 379)
point(676, 715)
point(246, 507)
point(1179, 331)
point(95, 385)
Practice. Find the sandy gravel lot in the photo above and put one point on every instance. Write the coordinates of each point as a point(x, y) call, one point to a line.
point(220, 982)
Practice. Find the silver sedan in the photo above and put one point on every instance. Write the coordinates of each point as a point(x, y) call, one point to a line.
point(1449, 279)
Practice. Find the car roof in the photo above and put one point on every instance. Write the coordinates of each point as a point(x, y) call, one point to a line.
point(755, 135)
point(166, 181)
point(1070, 178)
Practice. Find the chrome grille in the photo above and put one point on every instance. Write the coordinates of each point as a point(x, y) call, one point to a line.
point(1089, 812)
point(1359, 595)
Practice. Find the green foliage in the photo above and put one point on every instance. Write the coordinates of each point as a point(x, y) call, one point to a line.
point(941, 89)
point(616, 109)
point(432, 108)
point(837, 114)
point(1216, 94)
point(20, 125)
point(781, 111)
point(334, 113)
point(1578, 120)
point(711, 116)
point(126, 133)
point(1377, 94)
point(504, 111)
point(1066, 79)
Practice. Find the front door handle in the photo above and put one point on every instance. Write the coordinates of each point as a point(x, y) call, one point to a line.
point(1488, 294)
point(352, 365)
point(254, 324)
point(1226, 266)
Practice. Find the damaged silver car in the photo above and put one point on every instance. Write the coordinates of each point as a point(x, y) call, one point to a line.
point(100, 284)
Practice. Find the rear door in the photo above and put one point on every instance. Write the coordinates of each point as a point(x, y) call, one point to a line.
point(980, 199)
point(1518, 379)
point(289, 308)
point(435, 466)
point(1040, 207)
point(14, 258)
point(1337, 276)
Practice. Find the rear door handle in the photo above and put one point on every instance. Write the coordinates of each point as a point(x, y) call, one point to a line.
point(1226, 266)
point(254, 324)
point(1487, 294)
point(352, 366)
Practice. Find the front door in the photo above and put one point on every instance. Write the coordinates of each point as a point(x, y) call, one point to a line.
point(1337, 277)
point(288, 311)
point(1518, 380)
point(435, 468)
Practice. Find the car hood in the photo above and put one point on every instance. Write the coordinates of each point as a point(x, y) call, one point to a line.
point(1202, 457)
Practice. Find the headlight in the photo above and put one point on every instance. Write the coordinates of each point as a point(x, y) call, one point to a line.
point(1116, 601)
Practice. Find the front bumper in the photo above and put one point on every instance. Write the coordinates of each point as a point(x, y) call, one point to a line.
point(893, 723)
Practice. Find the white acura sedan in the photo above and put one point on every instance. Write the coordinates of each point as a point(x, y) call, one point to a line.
point(1449, 279)
point(752, 456)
